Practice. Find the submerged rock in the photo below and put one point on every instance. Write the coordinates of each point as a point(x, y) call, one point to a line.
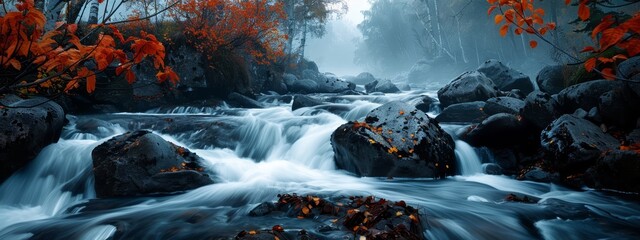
point(468, 87)
point(396, 140)
point(140, 162)
point(300, 101)
point(26, 131)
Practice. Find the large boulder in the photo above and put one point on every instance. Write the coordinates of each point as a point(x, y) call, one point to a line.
point(585, 95)
point(498, 131)
point(551, 79)
point(239, 100)
point(540, 109)
point(619, 107)
point(396, 140)
point(362, 78)
point(506, 78)
point(303, 86)
point(27, 126)
point(468, 87)
point(503, 105)
point(140, 162)
point(426, 103)
point(575, 143)
point(385, 86)
point(619, 170)
point(469, 112)
point(300, 101)
point(331, 84)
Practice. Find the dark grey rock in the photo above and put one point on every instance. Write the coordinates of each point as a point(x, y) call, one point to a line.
point(139, 163)
point(498, 131)
point(618, 170)
point(239, 100)
point(551, 79)
point(575, 143)
point(506, 78)
point(503, 105)
point(468, 112)
point(468, 87)
point(300, 101)
point(585, 95)
point(426, 103)
point(492, 169)
point(539, 109)
point(26, 131)
point(396, 140)
point(303, 86)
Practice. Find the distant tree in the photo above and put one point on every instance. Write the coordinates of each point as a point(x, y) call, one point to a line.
point(35, 59)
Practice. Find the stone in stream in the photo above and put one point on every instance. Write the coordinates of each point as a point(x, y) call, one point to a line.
point(140, 162)
point(506, 78)
point(618, 169)
point(468, 87)
point(468, 112)
point(396, 140)
point(575, 144)
point(498, 131)
point(503, 105)
point(300, 101)
point(331, 84)
point(26, 131)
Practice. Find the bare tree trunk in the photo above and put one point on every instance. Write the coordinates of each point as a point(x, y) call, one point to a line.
point(75, 7)
point(52, 13)
point(524, 45)
point(93, 12)
point(464, 56)
point(435, 4)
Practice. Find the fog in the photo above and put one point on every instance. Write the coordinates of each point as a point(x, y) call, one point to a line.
point(335, 52)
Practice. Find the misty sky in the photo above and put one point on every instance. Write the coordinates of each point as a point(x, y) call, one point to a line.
point(335, 51)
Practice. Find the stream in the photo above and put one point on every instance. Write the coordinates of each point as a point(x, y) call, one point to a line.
point(255, 154)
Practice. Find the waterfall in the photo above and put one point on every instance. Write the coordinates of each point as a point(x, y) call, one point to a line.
point(468, 159)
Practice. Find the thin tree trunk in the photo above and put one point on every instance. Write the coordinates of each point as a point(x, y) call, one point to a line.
point(75, 7)
point(93, 12)
point(435, 4)
point(52, 13)
point(524, 45)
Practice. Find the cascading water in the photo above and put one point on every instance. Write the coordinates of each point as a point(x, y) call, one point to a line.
point(468, 159)
point(255, 154)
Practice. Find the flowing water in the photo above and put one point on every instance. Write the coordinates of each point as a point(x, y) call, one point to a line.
point(255, 154)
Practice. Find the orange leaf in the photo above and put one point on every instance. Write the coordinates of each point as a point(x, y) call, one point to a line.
point(606, 23)
point(619, 57)
point(567, 2)
point(518, 31)
point(588, 49)
point(583, 11)
point(533, 43)
point(498, 18)
point(72, 28)
point(552, 25)
point(608, 74)
point(130, 76)
point(15, 64)
point(610, 37)
point(91, 82)
point(605, 60)
point(504, 29)
point(632, 24)
point(590, 64)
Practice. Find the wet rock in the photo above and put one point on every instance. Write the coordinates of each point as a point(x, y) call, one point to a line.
point(551, 79)
point(506, 78)
point(521, 198)
point(24, 132)
point(539, 109)
point(362, 78)
point(503, 105)
point(507, 159)
point(404, 87)
point(396, 140)
point(575, 143)
point(262, 209)
point(289, 79)
point(386, 86)
point(498, 131)
point(139, 163)
point(492, 169)
point(469, 112)
point(303, 86)
point(426, 103)
point(618, 170)
point(538, 175)
point(619, 107)
point(585, 95)
point(579, 113)
point(329, 84)
point(243, 101)
point(371, 87)
point(300, 101)
point(468, 87)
